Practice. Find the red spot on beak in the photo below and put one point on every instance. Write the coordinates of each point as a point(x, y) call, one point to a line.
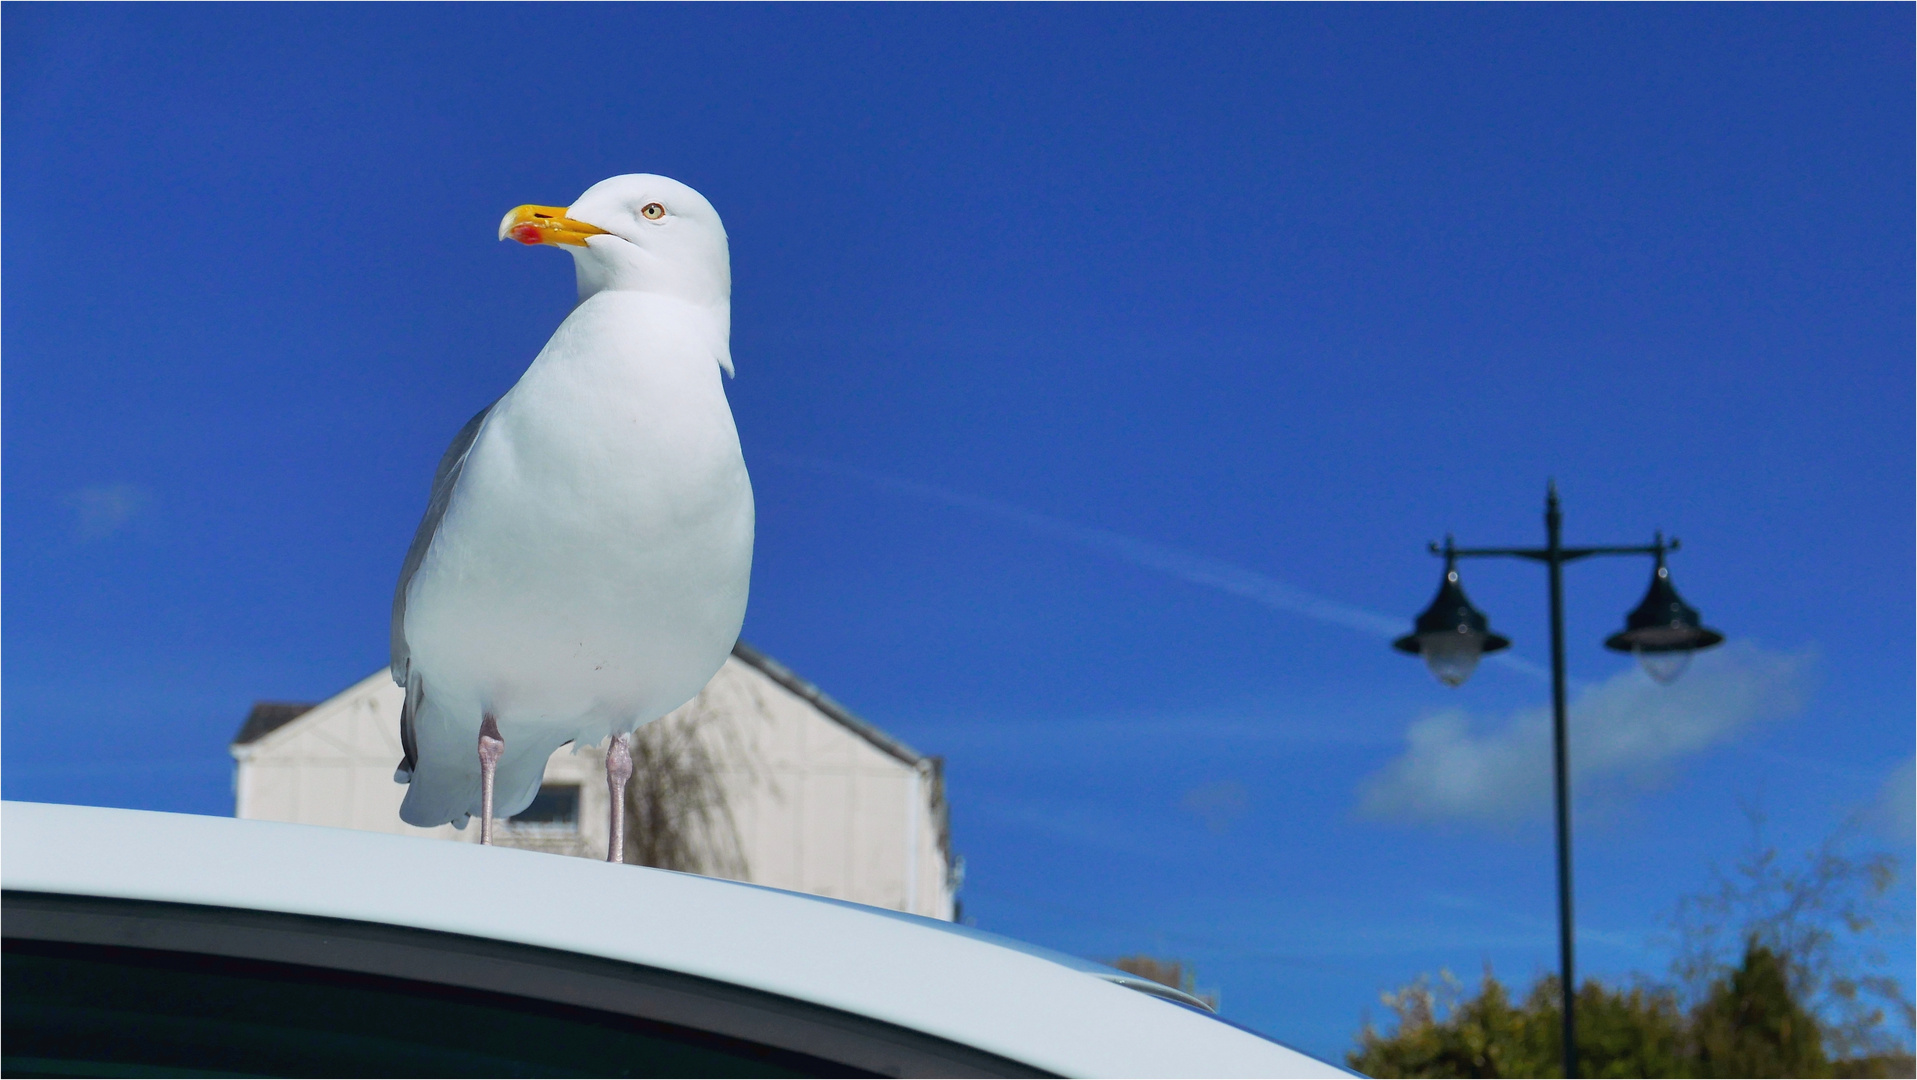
point(527, 233)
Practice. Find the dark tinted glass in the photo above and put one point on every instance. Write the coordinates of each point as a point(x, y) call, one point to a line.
point(556, 804)
point(83, 1010)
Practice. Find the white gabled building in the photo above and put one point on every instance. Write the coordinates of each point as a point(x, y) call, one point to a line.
point(820, 801)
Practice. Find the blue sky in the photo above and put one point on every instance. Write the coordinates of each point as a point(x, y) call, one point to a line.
point(1102, 371)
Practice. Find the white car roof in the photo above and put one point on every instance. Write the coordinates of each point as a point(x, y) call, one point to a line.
point(1015, 1001)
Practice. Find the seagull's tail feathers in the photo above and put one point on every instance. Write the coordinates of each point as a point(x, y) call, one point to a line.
point(408, 736)
point(441, 766)
point(441, 763)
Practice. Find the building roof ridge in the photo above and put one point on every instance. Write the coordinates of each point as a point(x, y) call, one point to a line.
point(823, 702)
point(267, 717)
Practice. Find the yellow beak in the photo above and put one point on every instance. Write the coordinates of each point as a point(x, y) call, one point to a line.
point(545, 225)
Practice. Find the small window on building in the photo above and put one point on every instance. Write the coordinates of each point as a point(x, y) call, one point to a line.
point(554, 810)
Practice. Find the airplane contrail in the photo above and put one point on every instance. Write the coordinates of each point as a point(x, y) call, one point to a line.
point(1216, 574)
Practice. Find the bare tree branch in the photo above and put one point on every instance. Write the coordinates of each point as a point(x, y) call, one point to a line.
point(678, 810)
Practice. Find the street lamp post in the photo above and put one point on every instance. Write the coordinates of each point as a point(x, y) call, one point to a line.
point(1662, 631)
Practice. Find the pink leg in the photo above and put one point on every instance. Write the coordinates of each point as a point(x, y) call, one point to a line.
point(618, 771)
point(490, 747)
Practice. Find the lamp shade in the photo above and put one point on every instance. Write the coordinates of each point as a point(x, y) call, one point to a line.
point(1663, 630)
point(1451, 635)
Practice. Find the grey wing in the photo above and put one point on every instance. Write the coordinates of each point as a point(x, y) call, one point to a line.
point(444, 481)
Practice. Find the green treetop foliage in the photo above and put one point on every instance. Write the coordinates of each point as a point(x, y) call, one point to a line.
point(1798, 992)
point(1753, 1025)
point(1750, 1025)
point(1635, 1032)
point(1822, 917)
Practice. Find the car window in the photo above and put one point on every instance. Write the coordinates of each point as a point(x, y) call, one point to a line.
point(99, 986)
point(78, 1010)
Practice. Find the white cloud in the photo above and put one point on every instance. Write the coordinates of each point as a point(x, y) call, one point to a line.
point(1626, 730)
point(104, 509)
point(1895, 811)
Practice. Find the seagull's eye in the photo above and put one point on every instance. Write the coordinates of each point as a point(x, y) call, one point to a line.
point(653, 211)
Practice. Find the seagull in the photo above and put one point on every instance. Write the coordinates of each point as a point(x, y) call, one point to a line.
point(583, 562)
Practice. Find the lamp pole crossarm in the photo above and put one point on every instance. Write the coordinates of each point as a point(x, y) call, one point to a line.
point(1545, 555)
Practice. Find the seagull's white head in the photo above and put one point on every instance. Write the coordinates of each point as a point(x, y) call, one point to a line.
point(636, 233)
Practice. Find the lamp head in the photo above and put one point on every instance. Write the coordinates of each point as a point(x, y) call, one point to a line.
point(1451, 634)
point(1663, 631)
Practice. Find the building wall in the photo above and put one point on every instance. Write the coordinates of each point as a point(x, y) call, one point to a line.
point(818, 807)
point(828, 812)
point(332, 766)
